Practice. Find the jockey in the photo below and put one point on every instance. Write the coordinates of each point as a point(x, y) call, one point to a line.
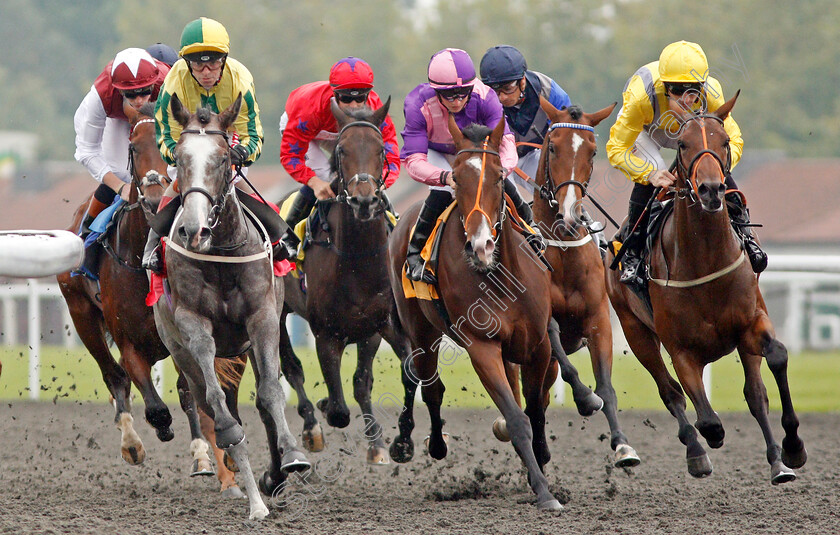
point(504, 70)
point(309, 133)
point(205, 77)
point(679, 79)
point(102, 130)
point(428, 150)
point(164, 53)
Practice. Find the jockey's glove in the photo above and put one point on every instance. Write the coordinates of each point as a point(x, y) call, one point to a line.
point(238, 155)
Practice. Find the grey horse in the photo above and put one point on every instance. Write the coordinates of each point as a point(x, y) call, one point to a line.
point(224, 300)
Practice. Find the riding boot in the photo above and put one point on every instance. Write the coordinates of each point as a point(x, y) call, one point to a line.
point(739, 215)
point(415, 266)
point(634, 245)
point(151, 254)
point(102, 199)
point(535, 240)
point(301, 207)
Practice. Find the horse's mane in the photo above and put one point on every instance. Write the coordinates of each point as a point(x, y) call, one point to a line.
point(203, 115)
point(575, 112)
point(476, 132)
point(148, 109)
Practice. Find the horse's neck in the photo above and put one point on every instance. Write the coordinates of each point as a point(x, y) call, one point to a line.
point(350, 234)
point(132, 229)
point(702, 238)
point(233, 225)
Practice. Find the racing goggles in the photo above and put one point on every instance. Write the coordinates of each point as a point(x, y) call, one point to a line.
point(134, 93)
point(679, 89)
point(455, 93)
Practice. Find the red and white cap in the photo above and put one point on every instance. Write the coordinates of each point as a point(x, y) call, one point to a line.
point(133, 68)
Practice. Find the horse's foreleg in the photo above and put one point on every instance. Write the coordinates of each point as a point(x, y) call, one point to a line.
point(690, 373)
point(271, 402)
point(198, 447)
point(587, 402)
point(362, 387)
point(487, 361)
point(139, 369)
point(756, 395)
point(645, 345)
point(334, 407)
point(225, 475)
point(402, 448)
point(600, 353)
point(312, 436)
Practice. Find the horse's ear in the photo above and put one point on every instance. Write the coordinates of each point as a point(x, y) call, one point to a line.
point(724, 110)
point(549, 109)
point(457, 135)
point(497, 133)
point(178, 111)
point(338, 113)
point(227, 117)
point(130, 112)
point(379, 115)
point(598, 116)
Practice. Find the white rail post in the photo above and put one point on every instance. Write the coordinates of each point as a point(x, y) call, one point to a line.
point(9, 323)
point(559, 391)
point(34, 313)
point(157, 376)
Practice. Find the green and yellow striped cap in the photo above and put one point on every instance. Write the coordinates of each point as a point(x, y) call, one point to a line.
point(204, 35)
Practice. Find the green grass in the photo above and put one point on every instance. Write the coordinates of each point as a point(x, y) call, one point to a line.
point(72, 374)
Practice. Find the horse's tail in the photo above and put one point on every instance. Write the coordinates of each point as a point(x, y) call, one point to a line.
point(230, 371)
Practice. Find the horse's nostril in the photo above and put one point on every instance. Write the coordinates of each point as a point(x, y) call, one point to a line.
point(468, 248)
point(204, 233)
point(182, 233)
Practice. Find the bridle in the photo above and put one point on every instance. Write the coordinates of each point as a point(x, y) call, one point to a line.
point(217, 204)
point(690, 173)
point(547, 189)
point(344, 195)
point(496, 228)
point(151, 178)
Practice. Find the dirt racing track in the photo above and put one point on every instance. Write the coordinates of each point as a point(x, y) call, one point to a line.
point(61, 472)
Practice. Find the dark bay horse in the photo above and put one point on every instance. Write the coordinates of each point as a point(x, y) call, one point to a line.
point(578, 295)
point(348, 298)
point(223, 298)
point(495, 293)
point(706, 303)
point(117, 308)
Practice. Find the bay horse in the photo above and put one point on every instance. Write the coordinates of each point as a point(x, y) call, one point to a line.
point(495, 294)
point(348, 298)
point(223, 299)
point(578, 295)
point(117, 308)
point(706, 303)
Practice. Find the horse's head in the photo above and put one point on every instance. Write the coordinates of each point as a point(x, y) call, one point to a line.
point(358, 159)
point(479, 177)
point(204, 173)
point(148, 170)
point(567, 159)
point(703, 157)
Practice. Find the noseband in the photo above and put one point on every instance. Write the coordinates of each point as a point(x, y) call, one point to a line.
point(344, 195)
point(217, 204)
point(496, 228)
point(690, 173)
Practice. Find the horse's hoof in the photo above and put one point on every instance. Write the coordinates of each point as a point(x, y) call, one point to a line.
point(230, 464)
point(258, 511)
point(550, 505)
point(202, 467)
point(402, 451)
point(322, 404)
point(437, 450)
point(165, 434)
point(313, 439)
point(134, 455)
point(269, 487)
point(779, 473)
point(377, 456)
point(233, 492)
point(699, 466)
point(626, 457)
point(590, 404)
point(795, 459)
point(294, 461)
point(500, 430)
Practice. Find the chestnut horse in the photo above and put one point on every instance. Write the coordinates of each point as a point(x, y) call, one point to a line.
point(497, 292)
point(578, 295)
point(706, 303)
point(118, 308)
point(348, 298)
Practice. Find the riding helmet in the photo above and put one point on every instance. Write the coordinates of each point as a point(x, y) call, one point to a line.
point(204, 39)
point(683, 62)
point(133, 68)
point(450, 68)
point(351, 73)
point(502, 63)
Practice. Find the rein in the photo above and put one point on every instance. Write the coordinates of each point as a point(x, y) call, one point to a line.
point(217, 204)
point(484, 151)
point(344, 196)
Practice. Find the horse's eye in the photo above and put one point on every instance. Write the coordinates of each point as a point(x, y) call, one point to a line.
point(551, 148)
point(681, 144)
